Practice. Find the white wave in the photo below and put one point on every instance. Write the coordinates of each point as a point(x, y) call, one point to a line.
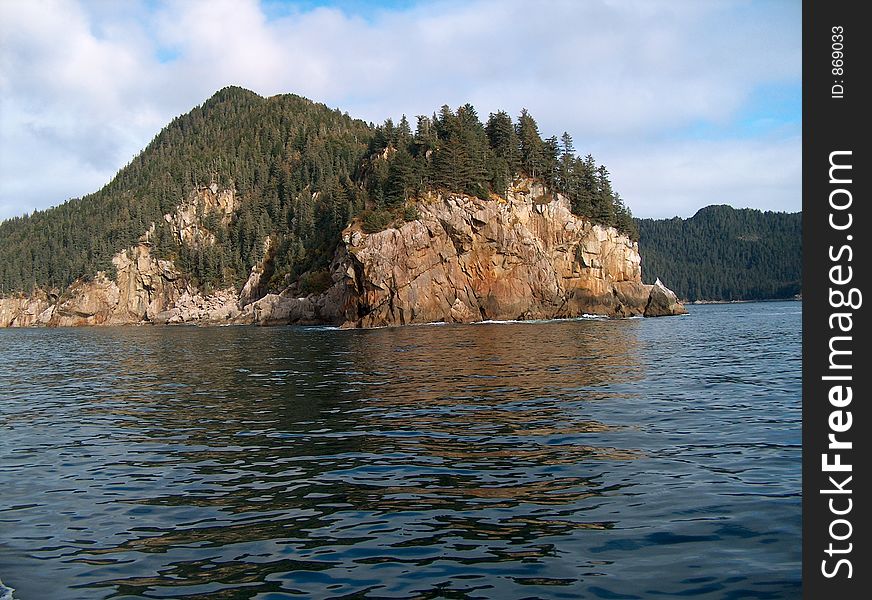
point(584, 317)
point(6, 592)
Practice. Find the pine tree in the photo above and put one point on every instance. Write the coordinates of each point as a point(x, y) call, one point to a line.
point(530, 145)
point(300, 172)
point(603, 199)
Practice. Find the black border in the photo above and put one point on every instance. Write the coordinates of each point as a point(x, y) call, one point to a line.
point(834, 124)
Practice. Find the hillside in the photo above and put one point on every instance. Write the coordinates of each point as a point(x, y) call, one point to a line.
point(242, 178)
point(722, 253)
point(268, 150)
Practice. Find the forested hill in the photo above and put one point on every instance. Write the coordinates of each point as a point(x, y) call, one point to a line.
point(723, 253)
point(300, 171)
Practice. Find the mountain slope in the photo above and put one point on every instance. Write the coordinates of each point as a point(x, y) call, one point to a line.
point(286, 175)
point(461, 259)
point(269, 150)
point(723, 253)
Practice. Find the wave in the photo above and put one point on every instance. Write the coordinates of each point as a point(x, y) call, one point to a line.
point(6, 592)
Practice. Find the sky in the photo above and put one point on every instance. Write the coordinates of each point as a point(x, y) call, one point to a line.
point(687, 103)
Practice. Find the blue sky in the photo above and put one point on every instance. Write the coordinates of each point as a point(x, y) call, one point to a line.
point(687, 103)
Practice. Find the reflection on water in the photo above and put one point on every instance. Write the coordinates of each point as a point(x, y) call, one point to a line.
point(557, 460)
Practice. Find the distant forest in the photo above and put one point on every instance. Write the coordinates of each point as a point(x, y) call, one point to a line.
point(723, 253)
point(302, 172)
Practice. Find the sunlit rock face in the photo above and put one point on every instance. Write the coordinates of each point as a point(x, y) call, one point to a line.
point(26, 311)
point(144, 289)
point(204, 209)
point(463, 259)
point(467, 259)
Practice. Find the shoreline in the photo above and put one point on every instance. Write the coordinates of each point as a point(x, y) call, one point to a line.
point(698, 302)
point(329, 326)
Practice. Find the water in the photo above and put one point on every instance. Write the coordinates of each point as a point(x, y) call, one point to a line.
point(569, 459)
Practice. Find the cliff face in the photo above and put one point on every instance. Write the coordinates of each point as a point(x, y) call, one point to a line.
point(187, 221)
point(466, 259)
point(26, 311)
point(463, 259)
point(145, 289)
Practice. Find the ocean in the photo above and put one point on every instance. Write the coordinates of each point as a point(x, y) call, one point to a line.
point(587, 458)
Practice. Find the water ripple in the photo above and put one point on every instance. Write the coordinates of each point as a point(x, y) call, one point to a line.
point(572, 459)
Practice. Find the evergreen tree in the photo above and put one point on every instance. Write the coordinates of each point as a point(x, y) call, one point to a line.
point(722, 253)
point(530, 145)
point(301, 172)
point(603, 198)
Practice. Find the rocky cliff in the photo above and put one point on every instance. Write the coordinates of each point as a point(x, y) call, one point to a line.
point(525, 256)
point(145, 290)
point(465, 259)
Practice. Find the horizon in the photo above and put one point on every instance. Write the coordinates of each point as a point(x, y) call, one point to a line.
point(689, 108)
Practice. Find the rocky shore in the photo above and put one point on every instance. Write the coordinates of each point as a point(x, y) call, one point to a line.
point(464, 259)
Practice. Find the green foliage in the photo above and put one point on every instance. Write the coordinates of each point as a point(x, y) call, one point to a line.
point(722, 253)
point(453, 151)
point(301, 172)
point(410, 212)
point(376, 220)
point(290, 160)
point(315, 282)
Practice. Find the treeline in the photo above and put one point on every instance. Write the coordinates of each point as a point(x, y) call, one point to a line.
point(302, 171)
point(722, 253)
point(455, 151)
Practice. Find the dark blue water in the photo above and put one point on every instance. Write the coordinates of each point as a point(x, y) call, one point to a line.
point(576, 459)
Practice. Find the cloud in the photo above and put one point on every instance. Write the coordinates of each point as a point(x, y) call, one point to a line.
point(74, 107)
point(686, 175)
point(84, 85)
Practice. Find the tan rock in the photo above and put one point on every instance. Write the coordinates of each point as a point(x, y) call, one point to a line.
point(256, 286)
point(24, 311)
point(464, 259)
point(187, 220)
point(662, 302)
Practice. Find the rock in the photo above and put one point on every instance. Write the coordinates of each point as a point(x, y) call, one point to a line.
point(144, 287)
point(206, 309)
point(174, 315)
point(88, 303)
point(525, 256)
point(25, 311)
point(276, 309)
point(256, 286)
point(187, 220)
point(632, 297)
point(461, 313)
point(663, 302)
point(464, 259)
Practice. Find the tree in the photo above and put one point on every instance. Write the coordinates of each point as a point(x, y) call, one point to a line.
point(566, 181)
point(603, 199)
point(530, 144)
point(300, 172)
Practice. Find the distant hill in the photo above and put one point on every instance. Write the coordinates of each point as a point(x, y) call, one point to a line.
point(723, 253)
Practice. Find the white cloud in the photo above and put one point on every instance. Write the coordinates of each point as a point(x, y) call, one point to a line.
point(82, 86)
point(73, 107)
point(677, 178)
